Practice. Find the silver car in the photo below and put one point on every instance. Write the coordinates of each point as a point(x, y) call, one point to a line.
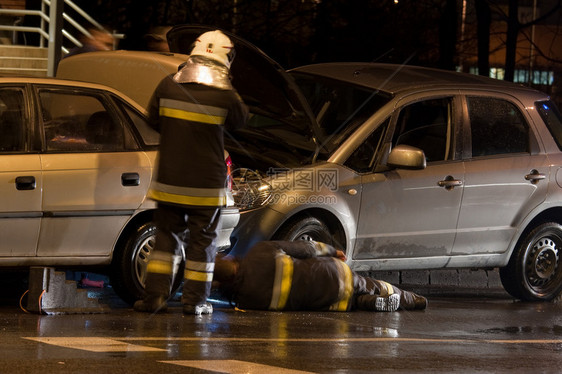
point(403, 167)
point(415, 168)
point(76, 161)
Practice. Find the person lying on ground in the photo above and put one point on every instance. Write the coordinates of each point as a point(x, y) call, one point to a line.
point(304, 275)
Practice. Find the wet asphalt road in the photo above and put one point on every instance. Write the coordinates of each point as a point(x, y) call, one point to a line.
point(457, 333)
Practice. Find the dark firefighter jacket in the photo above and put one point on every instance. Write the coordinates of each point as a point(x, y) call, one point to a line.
point(279, 275)
point(191, 119)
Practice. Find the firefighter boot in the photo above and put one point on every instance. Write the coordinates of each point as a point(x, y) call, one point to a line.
point(412, 301)
point(205, 308)
point(377, 303)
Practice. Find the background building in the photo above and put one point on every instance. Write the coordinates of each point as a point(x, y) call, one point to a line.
point(516, 40)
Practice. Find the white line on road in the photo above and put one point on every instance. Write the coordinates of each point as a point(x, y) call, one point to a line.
point(117, 344)
point(353, 340)
point(234, 367)
point(94, 344)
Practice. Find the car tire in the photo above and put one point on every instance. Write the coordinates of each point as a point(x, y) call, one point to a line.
point(308, 228)
point(534, 272)
point(129, 266)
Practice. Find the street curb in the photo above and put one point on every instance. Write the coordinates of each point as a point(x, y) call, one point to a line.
point(445, 282)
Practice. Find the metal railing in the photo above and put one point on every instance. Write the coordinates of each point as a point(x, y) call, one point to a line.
point(42, 30)
point(45, 14)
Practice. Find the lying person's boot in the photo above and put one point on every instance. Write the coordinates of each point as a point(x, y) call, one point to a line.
point(379, 303)
point(388, 303)
point(205, 308)
point(412, 301)
point(420, 302)
point(152, 304)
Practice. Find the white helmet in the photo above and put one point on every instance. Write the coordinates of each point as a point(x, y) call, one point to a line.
point(214, 45)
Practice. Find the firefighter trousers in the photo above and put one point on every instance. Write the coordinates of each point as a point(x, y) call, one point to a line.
point(189, 230)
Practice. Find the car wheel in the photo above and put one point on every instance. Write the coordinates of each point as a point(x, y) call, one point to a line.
point(534, 271)
point(129, 266)
point(308, 228)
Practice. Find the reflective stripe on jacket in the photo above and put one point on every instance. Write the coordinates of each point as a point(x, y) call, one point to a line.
point(192, 112)
point(282, 281)
point(187, 195)
point(345, 292)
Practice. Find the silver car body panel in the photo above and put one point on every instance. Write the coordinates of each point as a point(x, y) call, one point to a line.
point(85, 196)
point(20, 211)
point(395, 222)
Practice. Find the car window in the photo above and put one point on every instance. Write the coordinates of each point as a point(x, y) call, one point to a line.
point(363, 158)
point(551, 117)
point(497, 127)
point(339, 108)
point(12, 120)
point(79, 122)
point(426, 125)
point(149, 136)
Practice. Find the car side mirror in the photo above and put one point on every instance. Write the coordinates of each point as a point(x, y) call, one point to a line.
point(406, 157)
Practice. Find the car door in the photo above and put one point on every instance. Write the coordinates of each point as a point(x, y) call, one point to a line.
point(94, 174)
point(20, 176)
point(505, 174)
point(412, 214)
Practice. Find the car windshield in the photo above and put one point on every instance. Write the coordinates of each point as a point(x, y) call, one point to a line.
point(267, 139)
point(339, 107)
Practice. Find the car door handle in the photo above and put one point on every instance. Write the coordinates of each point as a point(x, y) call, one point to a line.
point(25, 183)
point(130, 179)
point(449, 182)
point(534, 176)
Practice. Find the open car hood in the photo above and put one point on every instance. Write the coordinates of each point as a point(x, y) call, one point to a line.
point(261, 82)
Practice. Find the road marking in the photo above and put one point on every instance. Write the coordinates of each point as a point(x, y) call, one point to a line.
point(357, 340)
point(234, 367)
point(94, 344)
point(119, 344)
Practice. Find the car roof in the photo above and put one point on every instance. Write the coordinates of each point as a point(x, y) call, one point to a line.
point(394, 78)
point(136, 73)
point(67, 82)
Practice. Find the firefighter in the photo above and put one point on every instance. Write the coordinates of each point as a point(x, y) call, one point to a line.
point(191, 109)
point(305, 275)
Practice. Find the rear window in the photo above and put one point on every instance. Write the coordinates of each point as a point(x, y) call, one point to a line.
point(497, 127)
point(551, 117)
point(149, 136)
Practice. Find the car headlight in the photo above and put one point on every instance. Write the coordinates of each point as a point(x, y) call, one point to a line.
point(249, 189)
